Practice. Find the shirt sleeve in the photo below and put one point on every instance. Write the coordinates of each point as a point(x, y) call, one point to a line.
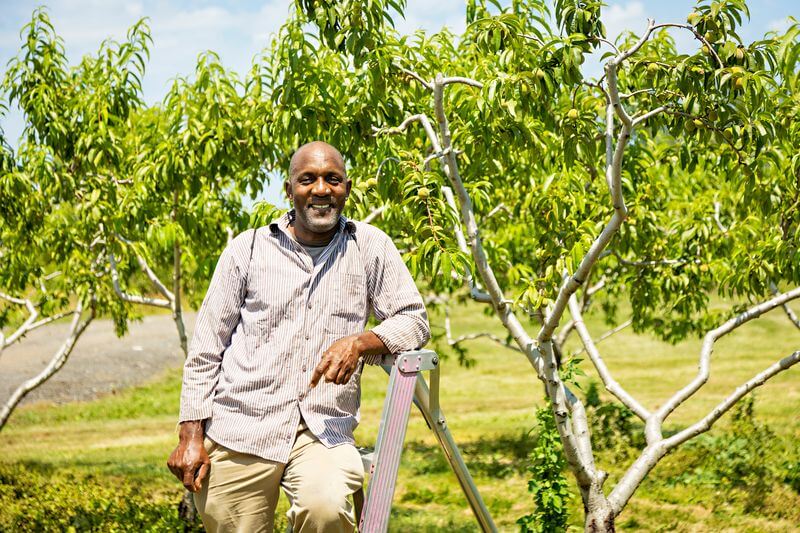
point(218, 318)
point(396, 301)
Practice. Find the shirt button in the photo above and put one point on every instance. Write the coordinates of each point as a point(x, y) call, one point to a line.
point(307, 337)
point(301, 395)
point(309, 306)
point(304, 368)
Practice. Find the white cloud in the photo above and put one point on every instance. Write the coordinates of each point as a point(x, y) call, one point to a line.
point(134, 8)
point(779, 25)
point(432, 16)
point(619, 18)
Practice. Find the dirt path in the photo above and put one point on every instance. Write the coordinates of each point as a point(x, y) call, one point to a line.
point(101, 363)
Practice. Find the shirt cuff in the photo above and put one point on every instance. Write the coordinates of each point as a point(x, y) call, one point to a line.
point(385, 335)
point(194, 413)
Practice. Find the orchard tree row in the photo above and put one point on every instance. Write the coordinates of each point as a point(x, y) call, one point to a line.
point(502, 172)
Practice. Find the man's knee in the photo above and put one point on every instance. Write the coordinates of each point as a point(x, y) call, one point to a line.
point(325, 512)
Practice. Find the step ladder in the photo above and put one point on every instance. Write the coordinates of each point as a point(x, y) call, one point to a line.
point(407, 384)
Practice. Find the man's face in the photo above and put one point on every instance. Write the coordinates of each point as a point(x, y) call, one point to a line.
point(318, 187)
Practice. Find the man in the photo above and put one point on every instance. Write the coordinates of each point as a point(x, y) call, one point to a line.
point(271, 386)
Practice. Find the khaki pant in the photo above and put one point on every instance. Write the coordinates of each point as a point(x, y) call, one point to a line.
point(241, 491)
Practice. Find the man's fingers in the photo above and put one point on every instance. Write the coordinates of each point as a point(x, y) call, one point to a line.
point(333, 372)
point(201, 474)
point(319, 371)
point(188, 478)
point(344, 375)
point(174, 465)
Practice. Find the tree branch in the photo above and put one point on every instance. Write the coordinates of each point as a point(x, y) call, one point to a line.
point(154, 279)
point(499, 207)
point(654, 262)
point(177, 272)
point(609, 43)
point(613, 178)
point(708, 345)
point(474, 291)
point(422, 119)
point(633, 477)
point(641, 118)
point(417, 77)
point(610, 383)
point(374, 214)
point(76, 329)
point(471, 336)
point(606, 335)
point(697, 36)
point(786, 309)
point(133, 298)
point(724, 406)
point(25, 327)
point(459, 79)
point(717, 220)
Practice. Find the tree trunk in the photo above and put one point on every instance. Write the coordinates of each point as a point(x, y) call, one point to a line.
point(177, 312)
point(599, 515)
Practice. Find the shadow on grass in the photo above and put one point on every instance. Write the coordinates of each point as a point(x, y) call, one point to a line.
point(498, 456)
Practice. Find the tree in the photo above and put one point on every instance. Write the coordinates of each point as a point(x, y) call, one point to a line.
point(668, 180)
point(54, 185)
point(189, 160)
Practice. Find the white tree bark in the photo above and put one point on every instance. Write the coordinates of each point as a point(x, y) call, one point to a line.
point(170, 300)
point(29, 324)
point(786, 309)
point(471, 336)
point(374, 214)
point(134, 298)
point(609, 382)
point(77, 327)
point(474, 290)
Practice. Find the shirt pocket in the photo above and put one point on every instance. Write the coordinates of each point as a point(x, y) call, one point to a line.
point(349, 307)
point(265, 309)
point(261, 325)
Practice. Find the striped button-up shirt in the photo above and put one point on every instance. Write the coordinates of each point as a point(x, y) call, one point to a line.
point(269, 314)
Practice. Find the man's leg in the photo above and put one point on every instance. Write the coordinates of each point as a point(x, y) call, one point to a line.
point(240, 493)
point(319, 482)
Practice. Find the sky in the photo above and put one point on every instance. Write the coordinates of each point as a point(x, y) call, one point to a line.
point(238, 30)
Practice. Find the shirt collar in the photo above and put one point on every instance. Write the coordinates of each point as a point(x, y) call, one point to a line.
point(283, 222)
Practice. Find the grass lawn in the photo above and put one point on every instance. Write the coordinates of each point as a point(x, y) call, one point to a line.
point(107, 457)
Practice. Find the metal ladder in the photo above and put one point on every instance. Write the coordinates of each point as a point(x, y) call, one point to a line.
point(406, 384)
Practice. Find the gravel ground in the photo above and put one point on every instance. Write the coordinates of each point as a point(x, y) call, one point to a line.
point(101, 363)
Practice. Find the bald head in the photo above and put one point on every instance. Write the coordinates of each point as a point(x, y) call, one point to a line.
point(315, 150)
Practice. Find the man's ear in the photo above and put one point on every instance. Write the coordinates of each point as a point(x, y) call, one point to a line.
point(287, 188)
point(349, 185)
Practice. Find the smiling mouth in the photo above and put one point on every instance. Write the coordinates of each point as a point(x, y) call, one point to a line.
point(320, 207)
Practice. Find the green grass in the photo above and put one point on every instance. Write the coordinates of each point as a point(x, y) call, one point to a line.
point(120, 443)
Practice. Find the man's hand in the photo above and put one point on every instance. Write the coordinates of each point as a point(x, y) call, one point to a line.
point(340, 361)
point(189, 461)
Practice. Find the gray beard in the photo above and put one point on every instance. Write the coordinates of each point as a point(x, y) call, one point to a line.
point(320, 224)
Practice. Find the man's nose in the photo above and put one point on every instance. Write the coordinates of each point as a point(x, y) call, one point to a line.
point(321, 187)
